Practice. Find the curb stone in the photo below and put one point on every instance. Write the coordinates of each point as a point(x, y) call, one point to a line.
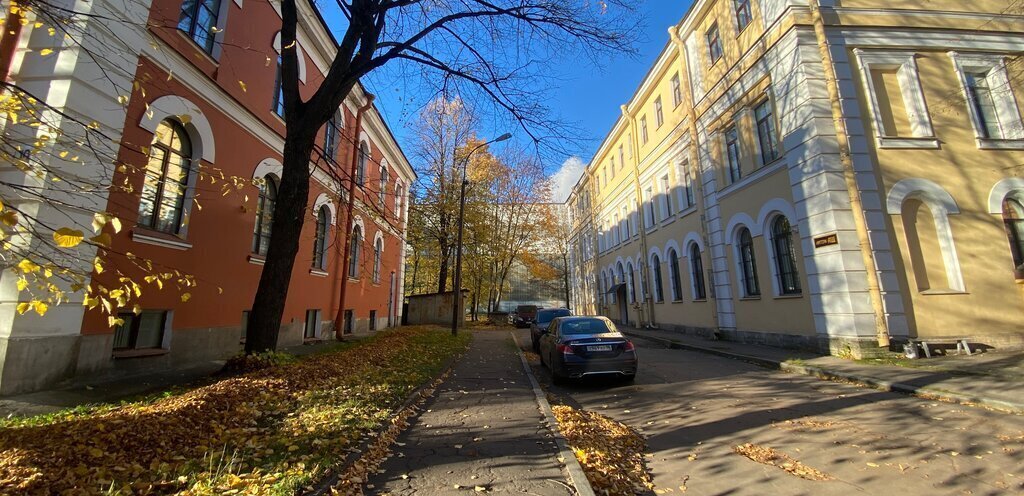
point(832, 375)
point(576, 475)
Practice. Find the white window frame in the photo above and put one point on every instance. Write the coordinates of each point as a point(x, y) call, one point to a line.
point(666, 195)
point(1007, 112)
point(910, 89)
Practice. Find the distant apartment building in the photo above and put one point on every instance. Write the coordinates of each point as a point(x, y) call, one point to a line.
point(187, 90)
point(839, 175)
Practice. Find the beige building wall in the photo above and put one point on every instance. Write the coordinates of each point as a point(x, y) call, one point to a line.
point(930, 187)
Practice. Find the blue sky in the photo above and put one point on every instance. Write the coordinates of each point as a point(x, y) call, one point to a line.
point(585, 95)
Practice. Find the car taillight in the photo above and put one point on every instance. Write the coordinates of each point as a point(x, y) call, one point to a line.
point(564, 349)
point(629, 346)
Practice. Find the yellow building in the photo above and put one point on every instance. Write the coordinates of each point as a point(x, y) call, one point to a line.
point(837, 175)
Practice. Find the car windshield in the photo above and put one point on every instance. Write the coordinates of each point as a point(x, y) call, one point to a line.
point(586, 326)
point(545, 316)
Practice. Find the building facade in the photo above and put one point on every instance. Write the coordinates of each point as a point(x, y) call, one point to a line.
point(839, 175)
point(190, 94)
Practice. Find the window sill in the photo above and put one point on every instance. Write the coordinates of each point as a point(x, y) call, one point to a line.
point(257, 260)
point(750, 298)
point(353, 279)
point(145, 352)
point(677, 301)
point(903, 143)
point(157, 238)
point(1000, 144)
point(789, 296)
point(933, 292)
point(318, 272)
point(701, 300)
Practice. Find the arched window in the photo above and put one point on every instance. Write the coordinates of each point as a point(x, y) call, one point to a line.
point(378, 252)
point(697, 273)
point(382, 194)
point(659, 294)
point(364, 156)
point(748, 266)
point(353, 252)
point(198, 20)
point(331, 129)
point(320, 242)
point(676, 277)
point(1013, 218)
point(167, 173)
point(399, 193)
point(277, 105)
point(264, 215)
point(632, 282)
point(786, 271)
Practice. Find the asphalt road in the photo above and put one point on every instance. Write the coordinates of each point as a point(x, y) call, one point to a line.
point(695, 409)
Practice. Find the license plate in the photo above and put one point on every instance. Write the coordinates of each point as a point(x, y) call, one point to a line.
point(603, 347)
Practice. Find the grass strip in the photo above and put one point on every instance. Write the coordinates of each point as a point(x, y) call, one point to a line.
point(272, 431)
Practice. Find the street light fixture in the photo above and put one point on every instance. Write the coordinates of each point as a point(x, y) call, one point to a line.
point(457, 286)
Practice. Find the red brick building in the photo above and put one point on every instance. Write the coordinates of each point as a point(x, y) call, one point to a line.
point(207, 104)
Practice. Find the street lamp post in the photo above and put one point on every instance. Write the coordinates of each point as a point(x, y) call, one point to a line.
point(457, 286)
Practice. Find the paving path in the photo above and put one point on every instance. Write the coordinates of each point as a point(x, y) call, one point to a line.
point(482, 431)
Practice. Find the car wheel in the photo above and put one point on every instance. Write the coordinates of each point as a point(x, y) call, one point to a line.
point(536, 346)
point(557, 378)
point(629, 378)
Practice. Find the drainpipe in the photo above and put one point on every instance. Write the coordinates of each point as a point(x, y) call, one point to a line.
point(691, 115)
point(635, 144)
point(9, 39)
point(856, 206)
point(339, 319)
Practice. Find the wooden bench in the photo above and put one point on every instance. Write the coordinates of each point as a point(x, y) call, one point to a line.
point(961, 345)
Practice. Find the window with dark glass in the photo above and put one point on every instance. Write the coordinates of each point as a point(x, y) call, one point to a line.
point(1013, 219)
point(364, 156)
point(766, 132)
point(673, 272)
point(353, 252)
point(632, 283)
point(659, 295)
point(378, 251)
point(643, 129)
point(199, 21)
point(785, 257)
point(312, 324)
point(331, 138)
point(278, 104)
point(688, 187)
point(984, 106)
point(732, 150)
point(383, 184)
point(748, 265)
point(320, 242)
point(264, 216)
point(743, 15)
point(166, 179)
point(142, 331)
point(659, 116)
point(714, 43)
point(677, 91)
point(697, 273)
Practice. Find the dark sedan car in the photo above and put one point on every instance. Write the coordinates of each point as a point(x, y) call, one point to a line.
point(544, 318)
point(574, 347)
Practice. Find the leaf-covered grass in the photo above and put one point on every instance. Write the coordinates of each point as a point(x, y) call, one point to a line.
point(267, 432)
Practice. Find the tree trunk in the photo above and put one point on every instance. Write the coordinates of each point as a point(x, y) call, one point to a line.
point(286, 227)
point(442, 278)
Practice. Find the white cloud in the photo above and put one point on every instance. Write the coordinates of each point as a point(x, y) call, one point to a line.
point(565, 178)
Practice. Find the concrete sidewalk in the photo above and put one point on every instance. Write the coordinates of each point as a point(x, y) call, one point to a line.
point(482, 431)
point(114, 386)
point(993, 379)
